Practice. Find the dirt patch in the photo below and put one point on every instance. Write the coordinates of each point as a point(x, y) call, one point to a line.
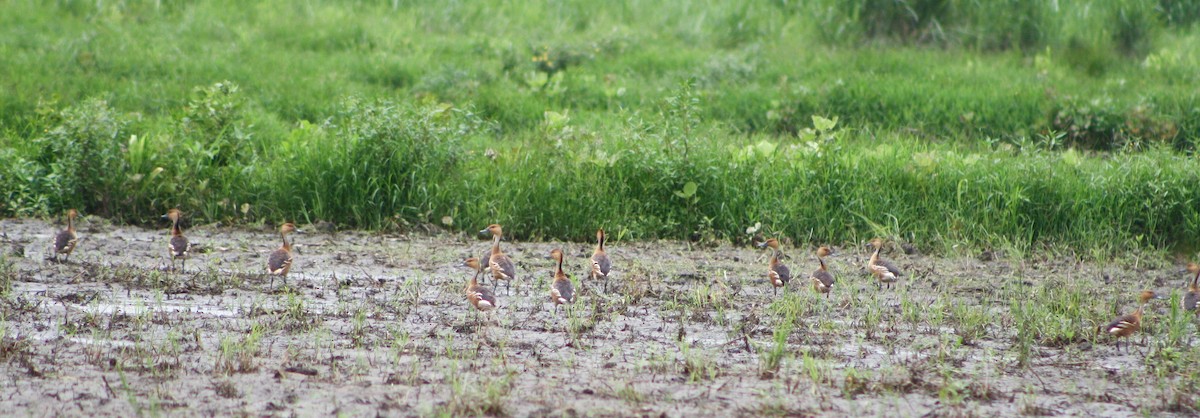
point(377, 323)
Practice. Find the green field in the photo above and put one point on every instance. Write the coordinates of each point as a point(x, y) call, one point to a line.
point(959, 124)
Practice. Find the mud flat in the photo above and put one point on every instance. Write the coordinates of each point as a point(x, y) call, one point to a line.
point(376, 323)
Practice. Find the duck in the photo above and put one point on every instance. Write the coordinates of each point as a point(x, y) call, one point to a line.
point(561, 290)
point(65, 240)
point(178, 246)
point(778, 273)
point(822, 279)
point(481, 297)
point(601, 264)
point(885, 271)
point(279, 262)
point(502, 267)
point(1192, 297)
point(1126, 325)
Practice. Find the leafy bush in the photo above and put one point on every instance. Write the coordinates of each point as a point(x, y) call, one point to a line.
point(1133, 27)
point(1101, 125)
point(213, 119)
point(476, 113)
point(82, 157)
point(375, 163)
point(1182, 13)
point(25, 187)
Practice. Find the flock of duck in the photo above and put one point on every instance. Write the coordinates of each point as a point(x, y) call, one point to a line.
point(279, 262)
point(562, 292)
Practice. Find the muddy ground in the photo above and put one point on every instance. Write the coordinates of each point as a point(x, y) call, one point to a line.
point(377, 324)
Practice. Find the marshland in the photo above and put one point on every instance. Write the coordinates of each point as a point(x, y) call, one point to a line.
point(1028, 166)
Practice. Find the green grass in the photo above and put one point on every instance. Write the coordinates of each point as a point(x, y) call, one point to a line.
point(556, 118)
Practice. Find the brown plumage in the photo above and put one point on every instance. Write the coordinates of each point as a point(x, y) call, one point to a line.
point(280, 260)
point(601, 265)
point(178, 246)
point(1126, 325)
point(482, 298)
point(778, 274)
point(65, 240)
point(561, 291)
point(1192, 297)
point(485, 261)
point(822, 279)
point(502, 267)
point(885, 271)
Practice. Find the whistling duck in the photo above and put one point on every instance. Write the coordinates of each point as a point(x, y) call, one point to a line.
point(1126, 325)
point(179, 246)
point(601, 265)
point(561, 291)
point(822, 279)
point(65, 240)
point(280, 260)
point(502, 267)
point(485, 262)
point(1192, 297)
point(778, 273)
point(482, 298)
point(882, 269)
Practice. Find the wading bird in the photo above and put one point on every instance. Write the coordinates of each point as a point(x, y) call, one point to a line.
point(1192, 297)
point(822, 279)
point(1126, 325)
point(502, 267)
point(778, 273)
point(601, 265)
point(485, 261)
point(883, 270)
point(65, 240)
point(280, 260)
point(178, 246)
point(561, 291)
point(482, 298)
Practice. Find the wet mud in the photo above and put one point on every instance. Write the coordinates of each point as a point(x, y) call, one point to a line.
point(374, 323)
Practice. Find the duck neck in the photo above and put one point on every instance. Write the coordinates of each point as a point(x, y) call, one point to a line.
point(822, 262)
point(175, 229)
point(559, 275)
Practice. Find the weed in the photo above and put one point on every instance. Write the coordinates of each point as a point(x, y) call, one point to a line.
point(296, 317)
point(358, 329)
point(238, 355)
point(970, 322)
point(474, 394)
point(226, 389)
point(630, 394)
point(816, 370)
point(698, 365)
point(8, 274)
point(1025, 331)
point(772, 358)
point(871, 319)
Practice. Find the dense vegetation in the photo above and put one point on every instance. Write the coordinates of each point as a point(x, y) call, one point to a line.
point(1007, 123)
